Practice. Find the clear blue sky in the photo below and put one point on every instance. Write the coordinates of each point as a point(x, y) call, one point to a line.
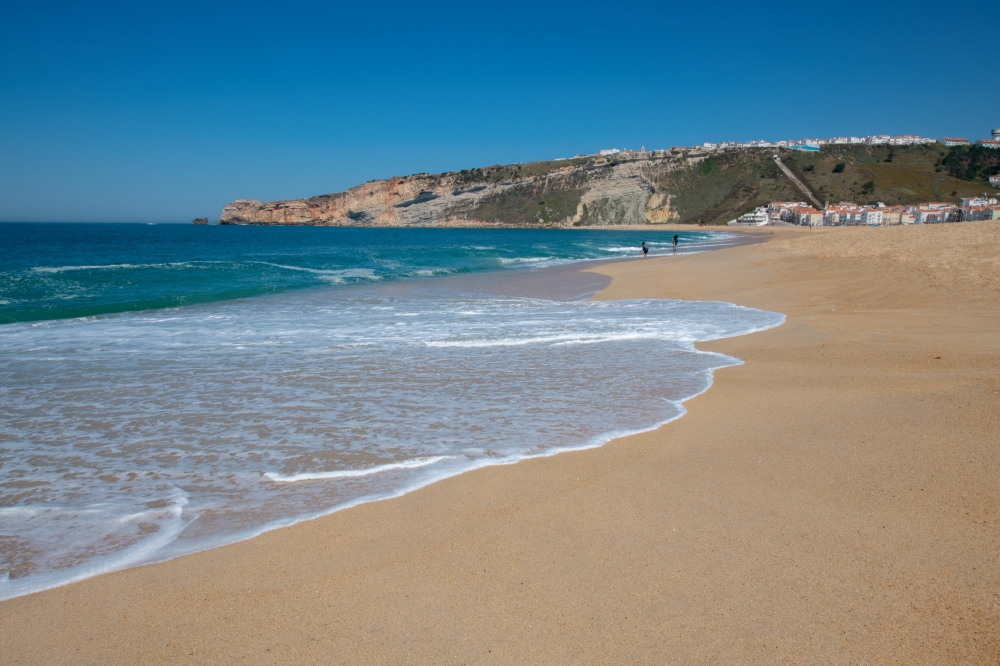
point(167, 111)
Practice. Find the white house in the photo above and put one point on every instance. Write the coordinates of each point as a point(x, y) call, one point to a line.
point(871, 217)
point(758, 218)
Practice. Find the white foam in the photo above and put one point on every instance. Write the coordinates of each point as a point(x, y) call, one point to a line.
point(525, 260)
point(142, 551)
point(355, 473)
point(329, 383)
point(64, 269)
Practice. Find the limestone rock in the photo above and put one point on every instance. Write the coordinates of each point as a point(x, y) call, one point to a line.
point(596, 191)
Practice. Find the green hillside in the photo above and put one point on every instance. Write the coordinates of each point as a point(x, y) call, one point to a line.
point(726, 185)
point(722, 186)
point(893, 174)
point(729, 184)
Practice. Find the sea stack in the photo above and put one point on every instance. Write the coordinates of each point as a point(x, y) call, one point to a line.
point(200, 220)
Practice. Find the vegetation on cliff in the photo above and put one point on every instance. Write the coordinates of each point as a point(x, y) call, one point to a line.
point(679, 186)
point(972, 162)
point(891, 174)
point(524, 205)
point(726, 185)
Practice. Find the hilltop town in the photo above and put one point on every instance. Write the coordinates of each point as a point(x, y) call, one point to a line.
point(711, 183)
point(811, 144)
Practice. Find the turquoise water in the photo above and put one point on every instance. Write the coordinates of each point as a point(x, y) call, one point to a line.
point(227, 381)
point(56, 271)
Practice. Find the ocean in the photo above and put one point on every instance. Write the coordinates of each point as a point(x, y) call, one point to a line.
point(170, 388)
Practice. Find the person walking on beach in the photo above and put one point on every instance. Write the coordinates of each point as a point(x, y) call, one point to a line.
point(645, 250)
point(675, 243)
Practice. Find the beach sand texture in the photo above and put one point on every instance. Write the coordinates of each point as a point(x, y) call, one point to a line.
point(833, 500)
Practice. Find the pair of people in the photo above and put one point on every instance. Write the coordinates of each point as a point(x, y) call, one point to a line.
point(645, 248)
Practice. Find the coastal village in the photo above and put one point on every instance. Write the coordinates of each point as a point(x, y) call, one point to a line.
point(879, 215)
point(847, 213)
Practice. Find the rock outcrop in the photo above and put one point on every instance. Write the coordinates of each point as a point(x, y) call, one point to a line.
point(200, 220)
point(588, 191)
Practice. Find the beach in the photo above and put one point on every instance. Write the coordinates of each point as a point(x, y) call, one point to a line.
point(833, 499)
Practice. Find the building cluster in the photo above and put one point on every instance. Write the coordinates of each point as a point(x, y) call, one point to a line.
point(993, 142)
point(623, 153)
point(879, 215)
point(815, 144)
point(797, 144)
point(874, 140)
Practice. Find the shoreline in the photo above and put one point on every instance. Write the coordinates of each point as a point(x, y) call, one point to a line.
point(49, 308)
point(571, 281)
point(577, 558)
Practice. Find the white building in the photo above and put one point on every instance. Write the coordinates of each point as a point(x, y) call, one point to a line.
point(979, 201)
point(950, 141)
point(980, 213)
point(909, 140)
point(989, 143)
point(844, 213)
point(758, 218)
point(935, 212)
point(995, 181)
point(609, 151)
point(871, 217)
point(879, 139)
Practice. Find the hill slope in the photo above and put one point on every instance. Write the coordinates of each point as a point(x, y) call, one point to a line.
point(676, 186)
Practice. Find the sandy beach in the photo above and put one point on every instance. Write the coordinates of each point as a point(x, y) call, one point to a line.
point(834, 499)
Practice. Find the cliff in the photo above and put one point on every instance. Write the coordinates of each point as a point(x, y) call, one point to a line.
point(623, 190)
point(679, 186)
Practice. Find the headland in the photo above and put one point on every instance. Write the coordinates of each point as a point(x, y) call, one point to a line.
point(707, 184)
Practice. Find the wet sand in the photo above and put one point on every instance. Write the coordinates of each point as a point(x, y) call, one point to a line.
point(833, 500)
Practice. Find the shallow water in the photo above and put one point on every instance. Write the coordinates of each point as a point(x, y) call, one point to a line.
point(137, 437)
point(53, 271)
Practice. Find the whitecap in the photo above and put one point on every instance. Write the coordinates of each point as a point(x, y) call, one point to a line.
point(355, 473)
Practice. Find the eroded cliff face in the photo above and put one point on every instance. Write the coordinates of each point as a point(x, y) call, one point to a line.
point(586, 192)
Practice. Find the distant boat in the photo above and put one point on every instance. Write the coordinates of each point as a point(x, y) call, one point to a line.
point(152, 224)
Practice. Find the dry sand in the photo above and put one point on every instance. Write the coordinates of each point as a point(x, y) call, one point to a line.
point(833, 500)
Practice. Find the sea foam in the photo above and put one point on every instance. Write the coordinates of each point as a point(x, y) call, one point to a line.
point(162, 433)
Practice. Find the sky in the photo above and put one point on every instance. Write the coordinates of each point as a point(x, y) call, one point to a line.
point(167, 111)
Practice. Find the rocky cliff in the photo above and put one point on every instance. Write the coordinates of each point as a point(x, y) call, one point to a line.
point(679, 185)
point(623, 189)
